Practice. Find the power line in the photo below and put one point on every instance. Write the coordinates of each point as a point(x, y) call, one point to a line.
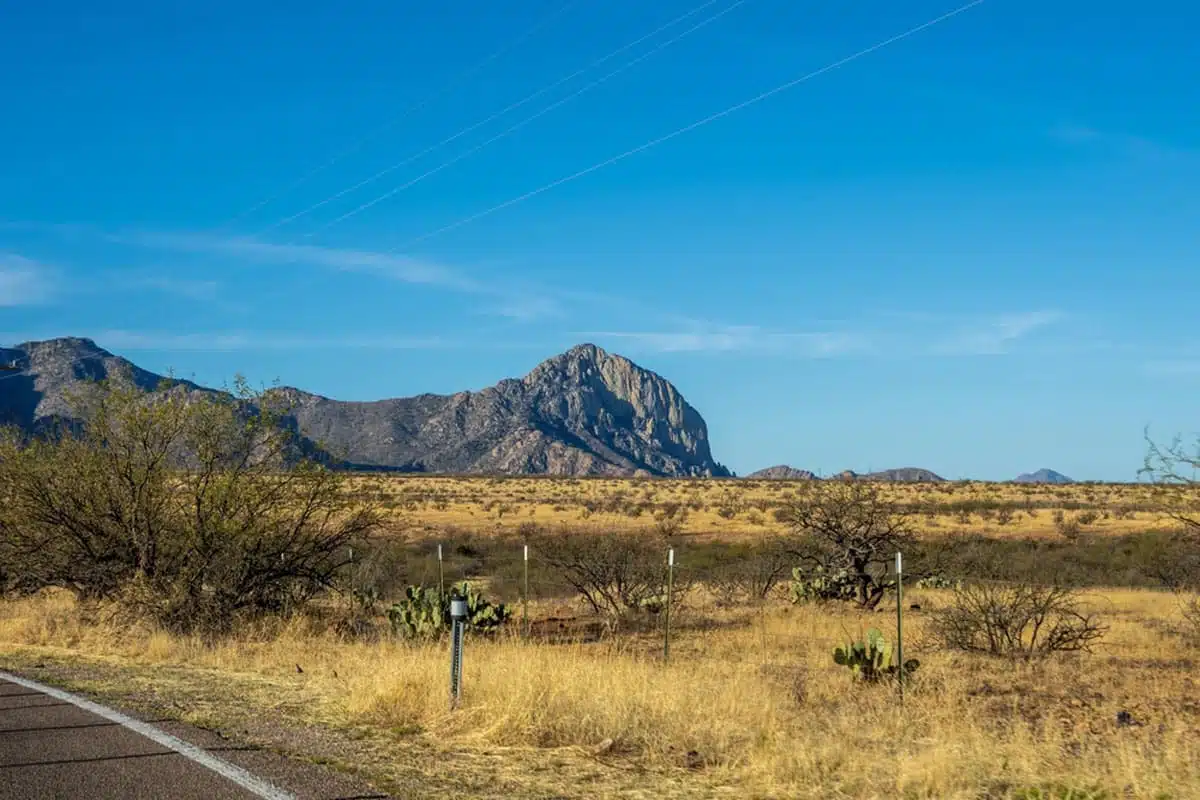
point(687, 128)
point(485, 121)
point(527, 120)
point(454, 84)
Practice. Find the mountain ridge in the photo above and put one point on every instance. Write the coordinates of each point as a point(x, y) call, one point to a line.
point(581, 412)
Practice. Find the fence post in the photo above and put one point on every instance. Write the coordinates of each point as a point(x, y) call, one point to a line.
point(900, 622)
point(458, 617)
point(441, 572)
point(525, 597)
point(667, 610)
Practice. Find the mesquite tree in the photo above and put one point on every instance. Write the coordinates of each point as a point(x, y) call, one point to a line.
point(848, 528)
point(190, 507)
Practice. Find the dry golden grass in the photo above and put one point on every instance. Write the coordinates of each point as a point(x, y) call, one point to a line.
point(728, 508)
point(755, 700)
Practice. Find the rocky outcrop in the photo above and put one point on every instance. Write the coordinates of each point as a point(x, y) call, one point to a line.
point(583, 412)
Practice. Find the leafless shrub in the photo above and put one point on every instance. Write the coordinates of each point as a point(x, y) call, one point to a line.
point(1176, 465)
point(1190, 608)
point(753, 575)
point(619, 575)
point(1016, 621)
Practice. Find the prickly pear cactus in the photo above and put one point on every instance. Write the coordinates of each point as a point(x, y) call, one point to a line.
point(938, 582)
point(819, 585)
point(870, 660)
point(425, 613)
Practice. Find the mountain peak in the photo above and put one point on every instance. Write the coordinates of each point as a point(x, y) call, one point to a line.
point(64, 344)
point(1043, 475)
point(587, 350)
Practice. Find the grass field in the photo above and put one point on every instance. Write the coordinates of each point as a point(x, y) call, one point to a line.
point(737, 508)
point(751, 703)
point(752, 706)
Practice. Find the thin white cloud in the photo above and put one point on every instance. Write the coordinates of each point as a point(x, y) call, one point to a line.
point(23, 281)
point(395, 267)
point(994, 336)
point(1123, 145)
point(918, 335)
point(260, 340)
point(179, 287)
point(514, 302)
point(818, 344)
point(528, 308)
point(1174, 368)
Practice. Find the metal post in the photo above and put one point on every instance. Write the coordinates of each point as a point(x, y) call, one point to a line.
point(900, 621)
point(441, 573)
point(525, 596)
point(458, 618)
point(667, 610)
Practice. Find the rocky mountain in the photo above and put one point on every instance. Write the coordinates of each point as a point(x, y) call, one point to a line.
point(583, 412)
point(1042, 476)
point(782, 472)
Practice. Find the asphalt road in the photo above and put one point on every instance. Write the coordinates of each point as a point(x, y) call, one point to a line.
point(62, 746)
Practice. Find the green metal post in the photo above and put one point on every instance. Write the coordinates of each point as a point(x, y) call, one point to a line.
point(667, 610)
point(441, 572)
point(900, 621)
point(525, 597)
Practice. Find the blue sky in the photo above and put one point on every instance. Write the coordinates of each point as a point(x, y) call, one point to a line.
point(972, 250)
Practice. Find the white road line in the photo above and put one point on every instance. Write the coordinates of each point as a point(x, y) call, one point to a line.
point(241, 777)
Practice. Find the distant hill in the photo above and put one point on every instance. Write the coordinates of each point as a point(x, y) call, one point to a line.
point(782, 472)
point(1042, 476)
point(582, 412)
point(899, 475)
point(905, 475)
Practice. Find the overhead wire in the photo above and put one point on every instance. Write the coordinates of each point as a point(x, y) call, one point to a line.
point(687, 128)
point(517, 126)
point(448, 88)
point(476, 125)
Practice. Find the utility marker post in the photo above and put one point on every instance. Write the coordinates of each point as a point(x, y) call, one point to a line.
point(525, 597)
point(458, 618)
point(667, 610)
point(441, 573)
point(900, 621)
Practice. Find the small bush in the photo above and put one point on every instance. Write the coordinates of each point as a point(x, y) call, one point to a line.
point(1018, 621)
point(1068, 528)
